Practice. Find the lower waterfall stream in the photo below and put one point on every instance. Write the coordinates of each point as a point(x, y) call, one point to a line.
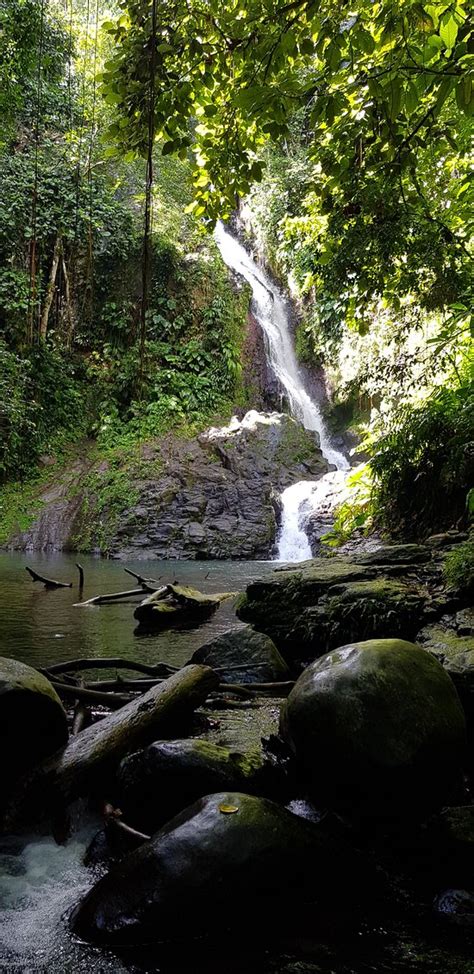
point(271, 311)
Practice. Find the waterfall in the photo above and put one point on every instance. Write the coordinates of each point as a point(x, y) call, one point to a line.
point(271, 311)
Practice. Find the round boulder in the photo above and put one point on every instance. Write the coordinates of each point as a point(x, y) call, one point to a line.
point(32, 719)
point(378, 730)
point(230, 860)
point(244, 656)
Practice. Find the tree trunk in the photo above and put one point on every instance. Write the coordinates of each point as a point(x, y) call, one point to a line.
point(69, 311)
point(50, 290)
point(86, 765)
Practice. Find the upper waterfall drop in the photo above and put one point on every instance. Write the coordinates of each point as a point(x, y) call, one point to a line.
point(271, 311)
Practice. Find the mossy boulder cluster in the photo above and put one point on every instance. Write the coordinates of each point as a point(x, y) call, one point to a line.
point(378, 730)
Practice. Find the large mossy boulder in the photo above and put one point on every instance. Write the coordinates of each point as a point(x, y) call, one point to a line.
point(32, 719)
point(230, 860)
point(158, 782)
point(378, 730)
point(243, 656)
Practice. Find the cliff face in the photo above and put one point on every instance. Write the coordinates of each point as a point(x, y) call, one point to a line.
point(211, 496)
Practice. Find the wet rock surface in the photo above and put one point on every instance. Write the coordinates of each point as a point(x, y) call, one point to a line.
point(163, 779)
point(451, 641)
point(243, 656)
point(326, 602)
point(213, 496)
point(378, 730)
point(33, 722)
point(228, 860)
point(456, 906)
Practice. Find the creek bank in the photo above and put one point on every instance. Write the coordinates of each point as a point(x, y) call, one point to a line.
point(212, 496)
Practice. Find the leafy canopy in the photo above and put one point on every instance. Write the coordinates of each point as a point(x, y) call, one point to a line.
point(374, 77)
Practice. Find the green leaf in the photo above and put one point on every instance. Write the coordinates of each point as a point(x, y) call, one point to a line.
point(448, 30)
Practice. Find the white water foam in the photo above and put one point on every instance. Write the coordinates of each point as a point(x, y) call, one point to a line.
point(271, 311)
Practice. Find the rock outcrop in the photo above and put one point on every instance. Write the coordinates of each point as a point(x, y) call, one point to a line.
point(243, 656)
point(212, 496)
point(326, 602)
point(229, 861)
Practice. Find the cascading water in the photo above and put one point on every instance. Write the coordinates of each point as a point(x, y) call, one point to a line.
point(271, 310)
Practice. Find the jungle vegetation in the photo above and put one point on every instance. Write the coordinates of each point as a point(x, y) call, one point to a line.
point(341, 132)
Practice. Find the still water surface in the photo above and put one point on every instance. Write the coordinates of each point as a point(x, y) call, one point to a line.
point(39, 626)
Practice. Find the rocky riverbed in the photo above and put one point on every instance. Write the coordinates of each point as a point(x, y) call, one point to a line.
point(306, 778)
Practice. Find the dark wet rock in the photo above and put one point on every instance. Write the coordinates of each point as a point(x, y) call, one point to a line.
point(378, 730)
point(446, 539)
point(230, 860)
point(158, 782)
point(108, 845)
point(456, 906)
point(397, 554)
point(328, 602)
point(456, 830)
point(33, 722)
point(451, 642)
point(243, 656)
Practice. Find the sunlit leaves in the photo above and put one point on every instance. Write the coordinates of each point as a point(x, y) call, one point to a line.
point(378, 77)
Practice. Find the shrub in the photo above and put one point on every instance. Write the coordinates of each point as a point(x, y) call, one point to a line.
point(423, 467)
point(459, 567)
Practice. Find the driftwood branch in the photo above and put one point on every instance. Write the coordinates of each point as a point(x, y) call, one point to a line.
point(116, 686)
point(81, 576)
point(109, 663)
point(112, 700)
point(145, 582)
point(47, 582)
point(116, 596)
point(87, 763)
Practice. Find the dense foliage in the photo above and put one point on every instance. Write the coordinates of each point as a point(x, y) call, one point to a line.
point(346, 131)
point(71, 246)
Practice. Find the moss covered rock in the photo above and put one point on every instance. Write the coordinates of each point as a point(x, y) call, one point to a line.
point(243, 656)
point(230, 860)
point(158, 782)
point(378, 730)
point(32, 720)
point(331, 601)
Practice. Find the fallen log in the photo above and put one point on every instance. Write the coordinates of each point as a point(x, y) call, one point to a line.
point(117, 596)
point(47, 582)
point(109, 663)
point(86, 765)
